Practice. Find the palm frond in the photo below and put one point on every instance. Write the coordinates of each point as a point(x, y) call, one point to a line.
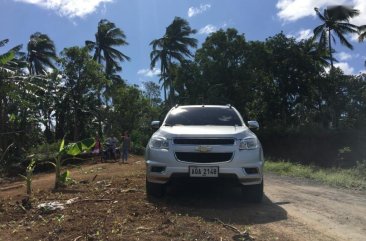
point(362, 33)
point(3, 42)
point(319, 30)
point(342, 12)
point(41, 53)
point(319, 14)
point(342, 39)
point(108, 37)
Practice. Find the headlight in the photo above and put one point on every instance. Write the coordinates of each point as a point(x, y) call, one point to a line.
point(158, 142)
point(248, 143)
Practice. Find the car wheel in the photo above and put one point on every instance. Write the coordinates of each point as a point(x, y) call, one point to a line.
point(155, 189)
point(253, 193)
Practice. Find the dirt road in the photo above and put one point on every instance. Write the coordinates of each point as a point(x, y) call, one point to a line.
point(317, 212)
point(293, 209)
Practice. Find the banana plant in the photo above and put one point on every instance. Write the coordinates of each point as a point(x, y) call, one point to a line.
point(72, 149)
point(28, 176)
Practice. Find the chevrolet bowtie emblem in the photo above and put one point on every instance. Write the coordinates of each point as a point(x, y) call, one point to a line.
point(203, 148)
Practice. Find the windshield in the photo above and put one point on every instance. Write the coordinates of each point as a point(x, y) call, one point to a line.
point(203, 116)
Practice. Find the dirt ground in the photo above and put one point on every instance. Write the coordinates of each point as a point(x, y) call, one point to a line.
point(110, 204)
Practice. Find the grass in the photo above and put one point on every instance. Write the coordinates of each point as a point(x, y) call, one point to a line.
point(354, 178)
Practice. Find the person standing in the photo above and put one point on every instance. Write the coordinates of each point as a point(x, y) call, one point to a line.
point(126, 142)
point(97, 151)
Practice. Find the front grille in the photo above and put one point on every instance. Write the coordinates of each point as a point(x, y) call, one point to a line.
point(203, 157)
point(204, 141)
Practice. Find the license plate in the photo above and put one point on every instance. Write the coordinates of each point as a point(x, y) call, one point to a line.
point(198, 171)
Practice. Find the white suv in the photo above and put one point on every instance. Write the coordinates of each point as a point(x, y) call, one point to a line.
point(200, 142)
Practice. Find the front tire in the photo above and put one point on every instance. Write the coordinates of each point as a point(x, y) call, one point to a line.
point(155, 189)
point(253, 193)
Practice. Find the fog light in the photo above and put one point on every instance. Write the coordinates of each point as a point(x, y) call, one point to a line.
point(157, 169)
point(251, 170)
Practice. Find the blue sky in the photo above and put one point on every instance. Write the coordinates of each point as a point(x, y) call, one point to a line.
point(71, 22)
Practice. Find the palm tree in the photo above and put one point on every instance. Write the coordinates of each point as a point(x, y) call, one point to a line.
point(41, 53)
point(319, 55)
point(162, 55)
point(106, 38)
point(174, 45)
point(335, 19)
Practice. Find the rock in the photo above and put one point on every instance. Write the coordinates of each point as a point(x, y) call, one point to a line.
point(50, 207)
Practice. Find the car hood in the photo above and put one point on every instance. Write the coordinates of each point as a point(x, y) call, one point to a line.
point(204, 131)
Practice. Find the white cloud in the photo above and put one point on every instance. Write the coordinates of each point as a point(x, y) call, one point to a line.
point(68, 8)
point(354, 37)
point(192, 11)
point(300, 35)
point(342, 56)
point(347, 69)
point(304, 34)
point(360, 19)
point(149, 72)
point(292, 10)
point(208, 29)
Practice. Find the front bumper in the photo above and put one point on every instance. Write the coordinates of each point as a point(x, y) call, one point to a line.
point(162, 166)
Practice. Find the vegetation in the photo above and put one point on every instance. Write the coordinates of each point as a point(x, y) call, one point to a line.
point(281, 82)
point(349, 178)
point(41, 53)
point(28, 177)
point(108, 36)
point(174, 45)
point(72, 149)
point(335, 19)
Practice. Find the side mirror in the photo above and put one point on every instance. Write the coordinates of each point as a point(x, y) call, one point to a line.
point(253, 125)
point(155, 124)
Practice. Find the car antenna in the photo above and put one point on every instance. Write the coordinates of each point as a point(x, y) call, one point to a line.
point(229, 105)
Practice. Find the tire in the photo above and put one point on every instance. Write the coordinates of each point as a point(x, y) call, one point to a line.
point(253, 193)
point(155, 189)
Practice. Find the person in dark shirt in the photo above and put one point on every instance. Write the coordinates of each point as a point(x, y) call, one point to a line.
point(126, 142)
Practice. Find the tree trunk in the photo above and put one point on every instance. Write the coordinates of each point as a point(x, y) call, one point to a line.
point(100, 129)
point(2, 123)
point(330, 51)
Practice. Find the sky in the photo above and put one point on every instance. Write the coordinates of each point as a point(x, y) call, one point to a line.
point(70, 22)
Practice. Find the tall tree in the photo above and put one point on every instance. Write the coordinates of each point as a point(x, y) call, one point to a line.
point(335, 20)
point(41, 54)
point(5, 89)
point(152, 92)
point(222, 61)
point(107, 37)
point(78, 107)
point(174, 45)
point(17, 100)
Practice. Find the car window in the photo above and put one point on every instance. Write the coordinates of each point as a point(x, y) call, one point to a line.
point(203, 116)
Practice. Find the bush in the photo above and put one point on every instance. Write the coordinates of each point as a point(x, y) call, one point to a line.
point(361, 168)
point(321, 147)
point(11, 160)
point(138, 149)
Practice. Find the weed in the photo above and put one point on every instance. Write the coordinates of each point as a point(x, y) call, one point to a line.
point(349, 178)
